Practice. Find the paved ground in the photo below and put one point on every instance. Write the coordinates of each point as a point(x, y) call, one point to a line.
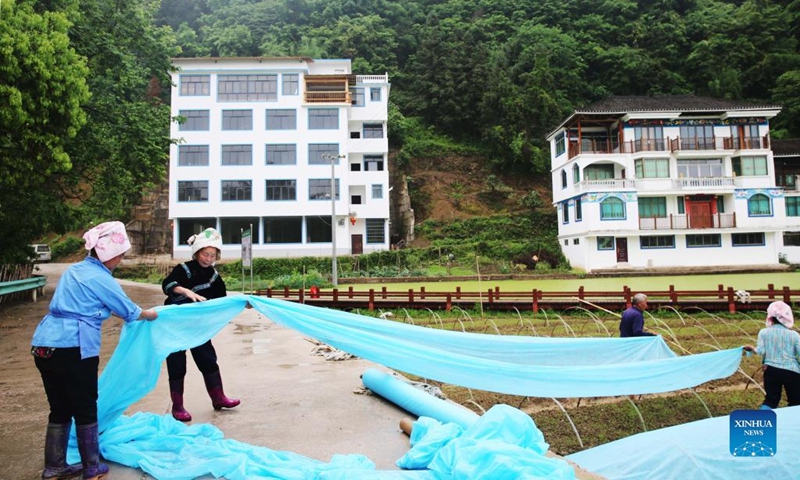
point(291, 400)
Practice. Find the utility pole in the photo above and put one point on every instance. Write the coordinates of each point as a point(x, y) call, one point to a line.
point(334, 274)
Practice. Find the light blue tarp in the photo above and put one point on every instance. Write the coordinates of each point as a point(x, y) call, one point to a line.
point(695, 451)
point(516, 365)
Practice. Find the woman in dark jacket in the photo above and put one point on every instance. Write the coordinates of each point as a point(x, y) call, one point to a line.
point(197, 281)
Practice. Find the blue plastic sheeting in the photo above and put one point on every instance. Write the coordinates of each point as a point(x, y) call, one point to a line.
point(414, 400)
point(698, 450)
point(582, 367)
point(168, 449)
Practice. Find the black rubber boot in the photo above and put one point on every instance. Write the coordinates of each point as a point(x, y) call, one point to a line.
point(89, 447)
point(55, 453)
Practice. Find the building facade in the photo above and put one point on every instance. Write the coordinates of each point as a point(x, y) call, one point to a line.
point(672, 181)
point(264, 143)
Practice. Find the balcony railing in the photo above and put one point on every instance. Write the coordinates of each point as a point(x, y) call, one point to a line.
point(702, 182)
point(339, 96)
point(687, 222)
point(359, 79)
point(610, 145)
point(607, 184)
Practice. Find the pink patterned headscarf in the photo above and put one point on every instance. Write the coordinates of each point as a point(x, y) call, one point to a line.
point(108, 239)
point(781, 312)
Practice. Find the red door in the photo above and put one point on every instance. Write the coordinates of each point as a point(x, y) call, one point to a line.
point(622, 250)
point(700, 215)
point(357, 244)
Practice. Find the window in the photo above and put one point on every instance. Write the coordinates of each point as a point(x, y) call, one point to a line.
point(231, 229)
point(237, 119)
point(563, 179)
point(745, 136)
point(283, 229)
point(193, 191)
point(320, 189)
point(323, 119)
point(237, 155)
point(377, 191)
point(193, 155)
point(700, 168)
point(657, 241)
point(704, 240)
point(281, 154)
point(357, 97)
point(648, 139)
point(376, 233)
point(750, 166)
point(374, 94)
point(759, 206)
point(281, 119)
point(576, 241)
point(697, 137)
point(720, 205)
point(576, 173)
point(237, 190)
point(373, 163)
point(318, 230)
point(247, 88)
point(373, 130)
point(791, 239)
point(747, 239)
point(317, 153)
point(652, 168)
point(681, 205)
point(793, 206)
point(291, 84)
point(560, 144)
point(565, 212)
point(192, 226)
point(195, 120)
point(578, 210)
point(650, 207)
point(605, 243)
point(279, 190)
point(612, 208)
point(195, 85)
point(598, 172)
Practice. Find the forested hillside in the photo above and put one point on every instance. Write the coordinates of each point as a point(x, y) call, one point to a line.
point(84, 90)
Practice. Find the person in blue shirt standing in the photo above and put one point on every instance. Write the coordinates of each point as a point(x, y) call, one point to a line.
point(66, 349)
point(632, 322)
point(779, 347)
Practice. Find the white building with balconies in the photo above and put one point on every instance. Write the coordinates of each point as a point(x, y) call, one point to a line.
point(263, 143)
point(671, 181)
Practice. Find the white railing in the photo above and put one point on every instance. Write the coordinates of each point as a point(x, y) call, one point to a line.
point(372, 78)
point(702, 182)
point(607, 184)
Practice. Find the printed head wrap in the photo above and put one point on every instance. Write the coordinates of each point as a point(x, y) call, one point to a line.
point(108, 240)
point(209, 237)
point(781, 312)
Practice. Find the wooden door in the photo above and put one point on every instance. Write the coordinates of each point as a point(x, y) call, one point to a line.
point(700, 215)
point(622, 250)
point(356, 244)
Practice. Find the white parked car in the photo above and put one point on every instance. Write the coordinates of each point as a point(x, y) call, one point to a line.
point(42, 252)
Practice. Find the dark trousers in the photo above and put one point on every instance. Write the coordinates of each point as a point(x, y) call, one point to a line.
point(204, 356)
point(71, 385)
point(776, 379)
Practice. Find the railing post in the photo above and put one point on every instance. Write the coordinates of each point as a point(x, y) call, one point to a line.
point(269, 292)
point(731, 302)
point(422, 293)
point(771, 291)
point(491, 295)
point(673, 296)
point(581, 293)
point(335, 295)
point(410, 296)
point(350, 292)
point(448, 303)
point(626, 293)
point(720, 291)
point(371, 299)
point(285, 292)
point(535, 301)
point(383, 293)
point(787, 295)
point(458, 293)
point(301, 297)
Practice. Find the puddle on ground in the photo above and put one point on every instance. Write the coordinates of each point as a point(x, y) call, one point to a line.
point(292, 365)
point(240, 329)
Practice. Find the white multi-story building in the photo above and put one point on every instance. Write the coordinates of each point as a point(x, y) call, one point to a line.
point(260, 144)
point(672, 181)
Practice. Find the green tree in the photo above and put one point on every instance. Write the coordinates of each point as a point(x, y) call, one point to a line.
point(42, 90)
